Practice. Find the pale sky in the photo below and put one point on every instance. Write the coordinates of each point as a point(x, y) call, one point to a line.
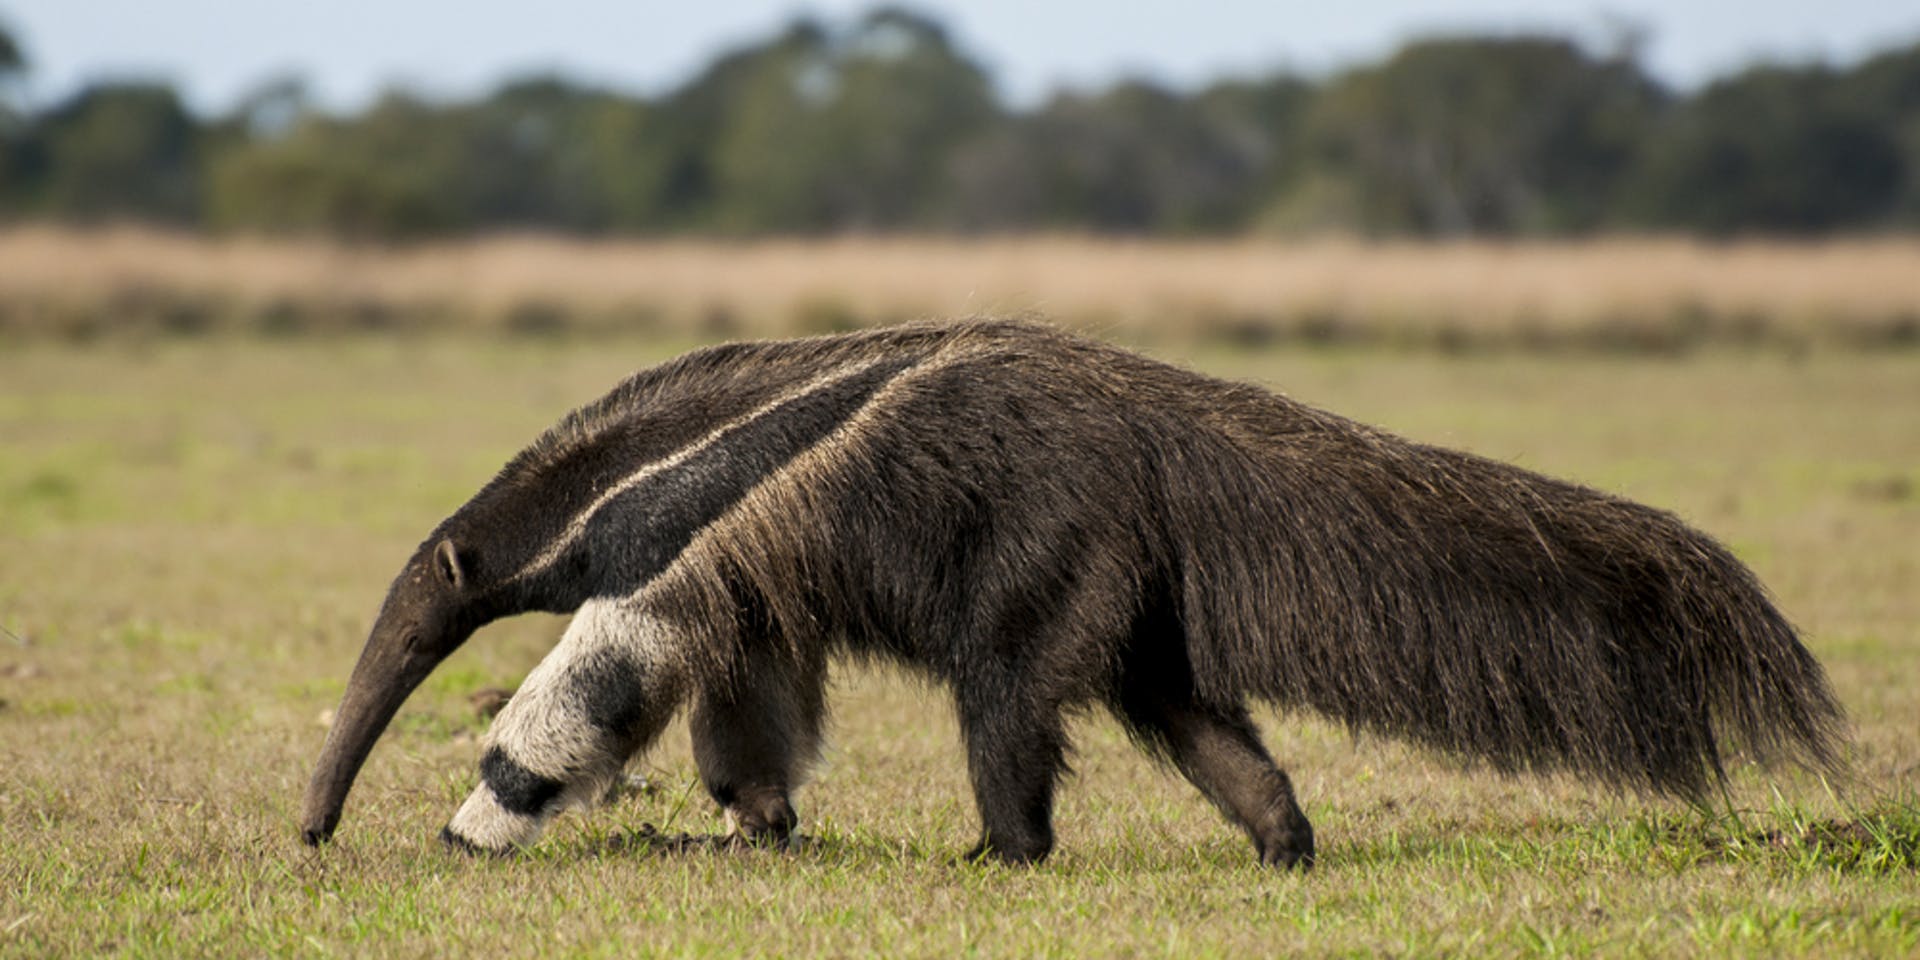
point(348, 50)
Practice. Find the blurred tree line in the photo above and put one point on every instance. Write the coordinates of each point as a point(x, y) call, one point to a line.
point(883, 124)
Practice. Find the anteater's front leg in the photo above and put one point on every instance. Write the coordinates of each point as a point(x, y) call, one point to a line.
point(755, 736)
point(605, 691)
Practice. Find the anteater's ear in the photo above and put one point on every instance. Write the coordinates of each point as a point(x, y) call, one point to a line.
point(446, 560)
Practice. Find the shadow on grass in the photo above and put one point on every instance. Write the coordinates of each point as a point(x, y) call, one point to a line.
point(1884, 839)
point(1881, 839)
point(649, 842)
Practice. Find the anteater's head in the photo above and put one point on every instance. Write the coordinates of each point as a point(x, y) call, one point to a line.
point(431, 610)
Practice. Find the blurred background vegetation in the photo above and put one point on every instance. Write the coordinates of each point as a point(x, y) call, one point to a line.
point(882, 124)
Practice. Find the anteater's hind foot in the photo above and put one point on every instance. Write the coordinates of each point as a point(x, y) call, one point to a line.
point(1285, 839)
point(1219, 751)
point(1021, 850)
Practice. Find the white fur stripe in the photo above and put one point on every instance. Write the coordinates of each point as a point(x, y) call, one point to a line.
point(578, 526)
point(810, 459)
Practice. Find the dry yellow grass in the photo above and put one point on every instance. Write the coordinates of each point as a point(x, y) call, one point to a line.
point(1636, 292)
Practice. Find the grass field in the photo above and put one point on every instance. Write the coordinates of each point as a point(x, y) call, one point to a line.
point(194, 535)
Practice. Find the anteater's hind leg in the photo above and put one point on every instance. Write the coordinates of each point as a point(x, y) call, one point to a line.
point(1219, 750)
point(754, 738)
point(1015, 754)
point(604, 692)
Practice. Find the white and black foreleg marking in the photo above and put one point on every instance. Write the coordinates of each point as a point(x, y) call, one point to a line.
point(605, 692)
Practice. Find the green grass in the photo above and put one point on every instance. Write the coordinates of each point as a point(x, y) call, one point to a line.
point(194, 535)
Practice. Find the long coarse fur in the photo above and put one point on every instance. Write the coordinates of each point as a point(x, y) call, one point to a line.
point(1135, 513)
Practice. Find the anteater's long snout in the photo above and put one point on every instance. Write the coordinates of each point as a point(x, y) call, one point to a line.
point(387, 673)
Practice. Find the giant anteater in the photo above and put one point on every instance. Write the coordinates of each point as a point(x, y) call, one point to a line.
point(1041, 522)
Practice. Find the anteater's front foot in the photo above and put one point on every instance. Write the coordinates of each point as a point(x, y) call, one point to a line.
point(761, 818)
point(483, 825)
point(460, 844)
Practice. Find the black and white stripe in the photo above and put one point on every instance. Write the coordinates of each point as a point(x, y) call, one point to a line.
point(616, 677)
point(674, 496)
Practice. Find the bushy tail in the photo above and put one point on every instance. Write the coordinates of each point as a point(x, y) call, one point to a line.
point(1500, 615)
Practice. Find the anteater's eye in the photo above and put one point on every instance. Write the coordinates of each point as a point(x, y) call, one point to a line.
point(412, 642)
